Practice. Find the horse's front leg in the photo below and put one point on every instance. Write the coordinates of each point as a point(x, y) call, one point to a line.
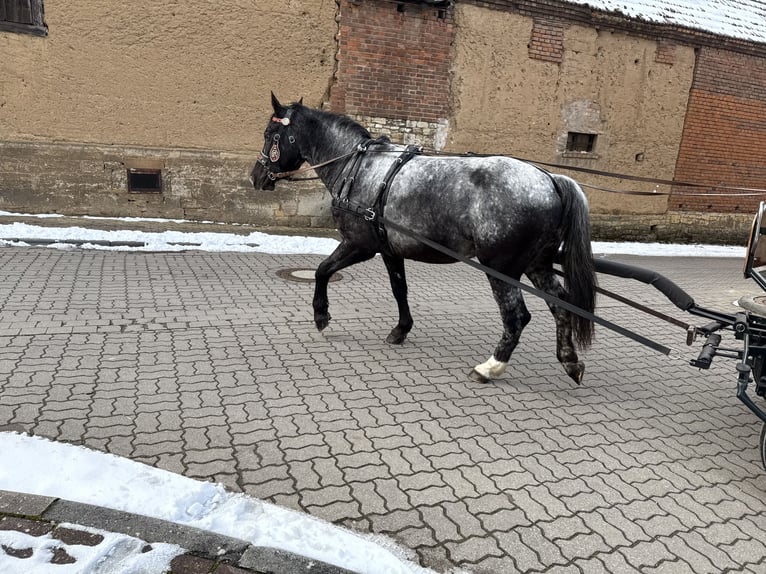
point(395, 267)
point(345, 254)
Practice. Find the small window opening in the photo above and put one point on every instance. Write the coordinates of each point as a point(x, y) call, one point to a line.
point(23, 16)
point(145, 181)
point(400, 8)
point(581, 142)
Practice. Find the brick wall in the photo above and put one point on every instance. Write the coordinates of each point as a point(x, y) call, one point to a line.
point(547, 41)
point(724, 139)
point(393, 60)
point(666, 52)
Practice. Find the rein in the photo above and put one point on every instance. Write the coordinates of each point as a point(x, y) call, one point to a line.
point(740, 191)
point(363, 212)
point(273, 176)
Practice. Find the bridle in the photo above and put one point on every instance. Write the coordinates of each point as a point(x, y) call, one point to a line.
point(271, 152)
point(269, 156)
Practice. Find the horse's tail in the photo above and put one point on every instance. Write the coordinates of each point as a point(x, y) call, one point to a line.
point(577, 257)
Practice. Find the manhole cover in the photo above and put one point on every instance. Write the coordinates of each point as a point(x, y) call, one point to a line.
point(303, 275)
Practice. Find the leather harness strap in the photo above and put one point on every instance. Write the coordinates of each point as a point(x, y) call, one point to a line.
point(350, 170)
point(373, 213)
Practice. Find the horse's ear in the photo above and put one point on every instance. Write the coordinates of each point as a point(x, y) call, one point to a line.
point(275, 103)
point(300, 102)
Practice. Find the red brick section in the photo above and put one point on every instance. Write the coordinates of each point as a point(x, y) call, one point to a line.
point(666, 52)
point(724, 139)
point(393, 60)
point(547, 41)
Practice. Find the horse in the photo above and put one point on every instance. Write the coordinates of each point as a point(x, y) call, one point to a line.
point(512, 216)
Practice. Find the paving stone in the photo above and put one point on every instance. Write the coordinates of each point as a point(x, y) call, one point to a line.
point(546, 551)
point(188, 564)
point(474, 549)
point(71, 536)
point(24, 504)
point(21, 553)
point(700, 563)
point(632, 531)
point(31, 527)
point(647, 554)
point(541, 495)
point(61, 556)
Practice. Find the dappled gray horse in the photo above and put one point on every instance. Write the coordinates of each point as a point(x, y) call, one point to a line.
point(509, 214)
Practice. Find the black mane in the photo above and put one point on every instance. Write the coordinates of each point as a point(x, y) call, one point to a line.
point(343, 122)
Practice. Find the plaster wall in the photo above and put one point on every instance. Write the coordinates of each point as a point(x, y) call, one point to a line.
point(607, 83)
point(180, 74)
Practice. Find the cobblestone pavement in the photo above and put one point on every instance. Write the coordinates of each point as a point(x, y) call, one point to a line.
point(209, 365)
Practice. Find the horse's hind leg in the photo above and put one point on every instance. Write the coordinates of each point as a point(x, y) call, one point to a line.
point(515, 318)
point(545, 279)
point(345, 255)
point(395, 267)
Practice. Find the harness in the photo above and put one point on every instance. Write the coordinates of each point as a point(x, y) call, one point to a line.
point(374, 213)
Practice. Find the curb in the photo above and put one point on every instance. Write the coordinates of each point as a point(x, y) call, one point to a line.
point(204, 552)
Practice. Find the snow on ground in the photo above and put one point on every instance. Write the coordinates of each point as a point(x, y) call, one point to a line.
point(38, 466)
point(130, 240)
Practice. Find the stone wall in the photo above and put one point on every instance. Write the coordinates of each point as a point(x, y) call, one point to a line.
point(675, 227)
point(212, 186)
point(200, 185)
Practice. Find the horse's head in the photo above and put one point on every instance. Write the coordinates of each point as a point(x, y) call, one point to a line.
point(280, 151)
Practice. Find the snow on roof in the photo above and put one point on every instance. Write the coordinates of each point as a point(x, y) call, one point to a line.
point(740, 19)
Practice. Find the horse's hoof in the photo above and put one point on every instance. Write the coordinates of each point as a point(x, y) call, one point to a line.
point(478, 377)
point(575, 371)
point(396, 337)
point(322, 321)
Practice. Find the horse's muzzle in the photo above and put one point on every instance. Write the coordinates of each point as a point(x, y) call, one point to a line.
point(260, 179)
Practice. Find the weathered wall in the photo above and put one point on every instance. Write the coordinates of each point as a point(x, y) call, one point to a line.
point(200, 185)
point(175, 84)
point(510, 98)
point(674, 227)
point(178, 74)
point(724, 141)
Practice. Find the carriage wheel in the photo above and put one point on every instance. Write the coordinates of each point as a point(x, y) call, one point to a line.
point(763, 446)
